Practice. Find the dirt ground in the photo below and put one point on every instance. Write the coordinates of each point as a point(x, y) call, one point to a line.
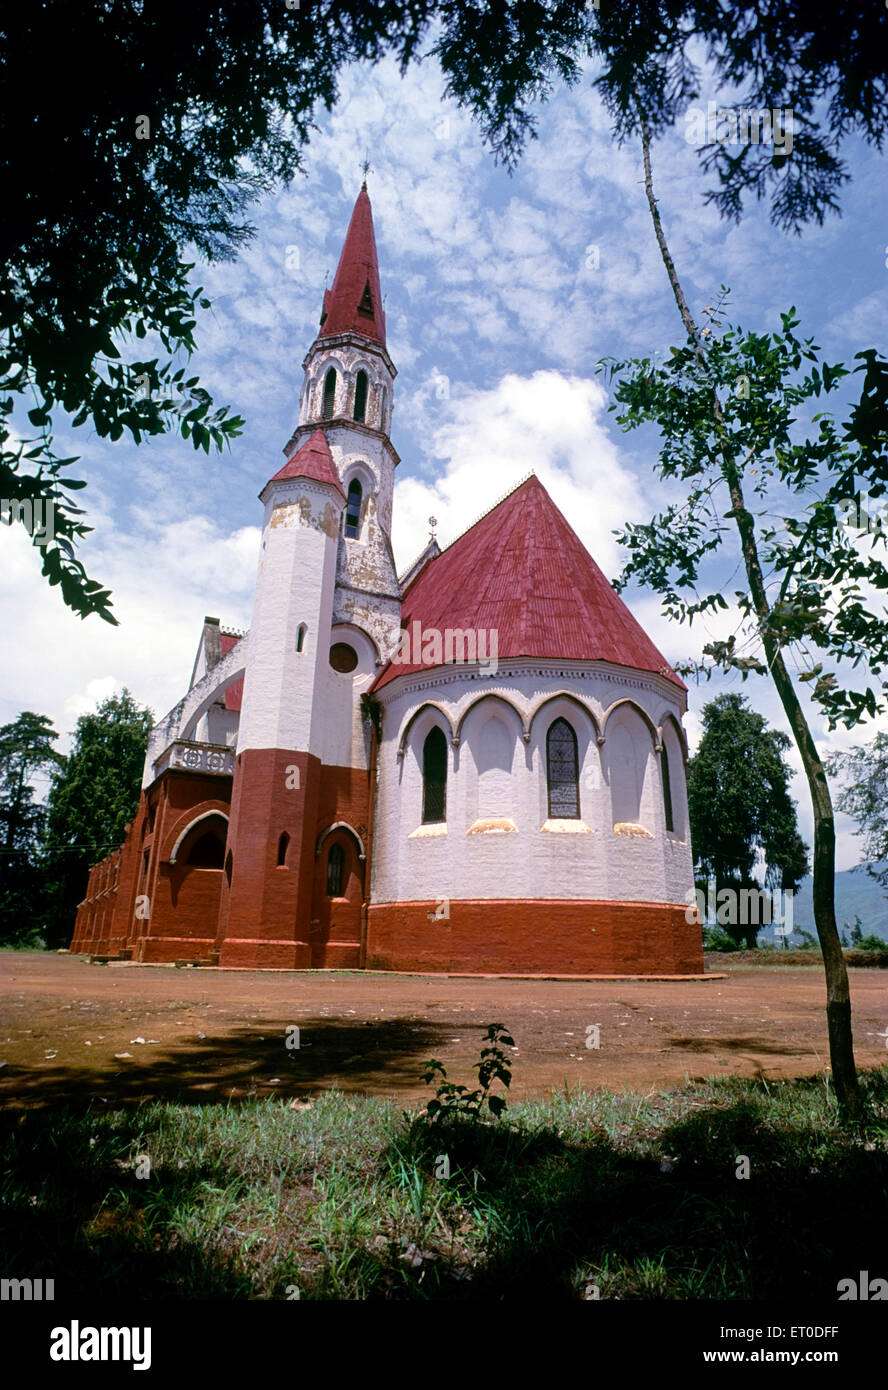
point(81, 1033)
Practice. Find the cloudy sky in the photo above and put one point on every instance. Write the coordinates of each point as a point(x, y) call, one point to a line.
point(501, 295)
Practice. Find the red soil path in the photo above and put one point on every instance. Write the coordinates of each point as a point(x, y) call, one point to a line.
point(216, 1035)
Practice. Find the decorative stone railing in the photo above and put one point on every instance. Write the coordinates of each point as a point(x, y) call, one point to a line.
point(213, 758)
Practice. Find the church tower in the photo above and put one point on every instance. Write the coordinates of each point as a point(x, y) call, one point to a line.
point(326, 611)
point(347, 391)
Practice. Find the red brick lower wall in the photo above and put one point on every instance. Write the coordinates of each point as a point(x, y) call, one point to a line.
point(535, 937)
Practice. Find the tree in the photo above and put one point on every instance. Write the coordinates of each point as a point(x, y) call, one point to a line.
point(25, 750)
point(865, 799)
point(739, 805)
point(824, 63)
point(647, 82)
point(175, 117)
point(728, 406)
point(180, 116)
point(92, 800)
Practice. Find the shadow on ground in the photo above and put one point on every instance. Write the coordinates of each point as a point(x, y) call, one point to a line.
point(241, 1064)
point(526, 1212)
point(589, 1219)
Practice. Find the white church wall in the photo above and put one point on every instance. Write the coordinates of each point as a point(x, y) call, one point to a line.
point(284, 687)
point(219, 725)
point(583, 859)
point(345, 734)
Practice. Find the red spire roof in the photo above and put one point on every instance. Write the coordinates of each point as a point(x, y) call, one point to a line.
point(312, 460)
point(523, 571)
point(354, 304)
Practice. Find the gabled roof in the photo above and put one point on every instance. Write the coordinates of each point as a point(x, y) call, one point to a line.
point(431, 552)
point(312, 460)
point(354, 302)
point(523, 572)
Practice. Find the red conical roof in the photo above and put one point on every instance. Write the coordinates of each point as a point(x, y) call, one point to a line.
point(312, 460)
point(523, 572)
point(354, 304)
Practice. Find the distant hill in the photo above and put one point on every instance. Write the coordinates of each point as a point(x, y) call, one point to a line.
point(856, 894)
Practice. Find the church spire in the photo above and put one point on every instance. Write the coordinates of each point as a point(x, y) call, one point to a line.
point(354, 303)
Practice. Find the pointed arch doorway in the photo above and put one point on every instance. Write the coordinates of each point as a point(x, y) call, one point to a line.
point(337, 899)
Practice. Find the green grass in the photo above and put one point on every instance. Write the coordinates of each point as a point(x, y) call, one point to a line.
point(634, 1196)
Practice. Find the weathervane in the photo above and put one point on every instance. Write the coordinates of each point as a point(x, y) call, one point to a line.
point(433, 522)
point(366, 167)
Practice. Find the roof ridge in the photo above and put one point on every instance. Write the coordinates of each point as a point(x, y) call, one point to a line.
point(492, 508)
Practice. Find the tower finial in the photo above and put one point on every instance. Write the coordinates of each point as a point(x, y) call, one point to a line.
point(366, 168)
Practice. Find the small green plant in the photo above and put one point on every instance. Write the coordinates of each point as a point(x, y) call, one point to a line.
point(453, 1100)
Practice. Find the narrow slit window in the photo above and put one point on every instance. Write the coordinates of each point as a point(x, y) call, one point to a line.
point(562, 772)
point(300, 637)
point(283, 846)
point(335, 871)
point(329, 393)
point(353, 509)
point(434, 777)
point(667, 790)
point(360, 395)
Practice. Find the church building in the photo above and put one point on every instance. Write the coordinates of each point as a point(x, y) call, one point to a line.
point(475, 766)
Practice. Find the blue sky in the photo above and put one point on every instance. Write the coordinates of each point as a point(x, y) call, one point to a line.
point(496, 319)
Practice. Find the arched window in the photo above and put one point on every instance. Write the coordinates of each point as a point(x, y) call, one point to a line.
point(300, 636)
point(335, 871)
point(562, 772)
point(360, 395)
point(329, 393)
point(353, 509)
point(208, 852)
point(283, 846)
point(434, 777)
point(667, 789)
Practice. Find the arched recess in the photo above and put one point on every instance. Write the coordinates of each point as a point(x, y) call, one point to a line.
point(491, 730)
point(493, 762)
point(320, 368)
point(215, 691)
point(337, 897)
point(349, 829)
point(670, 721)
point(211, 815)
point(673, 779)
point(429, 705)
point(186, 890)
point(629, 752)
point(626, 703)
point(492, 700)
point(565, 695)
